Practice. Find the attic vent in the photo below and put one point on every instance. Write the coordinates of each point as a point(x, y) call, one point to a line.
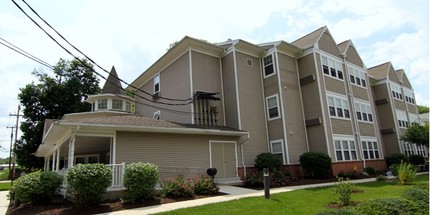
point(249, 62)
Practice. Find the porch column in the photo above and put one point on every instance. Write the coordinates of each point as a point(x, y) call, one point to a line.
point(46, 163)
point(71, 151)
point(57, 163)
point(53, 161)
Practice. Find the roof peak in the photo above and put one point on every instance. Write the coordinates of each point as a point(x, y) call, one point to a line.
point(112, 84)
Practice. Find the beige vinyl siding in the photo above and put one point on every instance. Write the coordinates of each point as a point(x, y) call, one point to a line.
point(412, 109)
point(360, 93)
point(293, 115)
point(367, 129)
point(230, 101)
point(340, 126)
point(385, 116)
point(400, 105)
point(316, 138)
point(207, 77)
point(327, 44)
point(252, 106)
point(391, 144)
point(406, 82)
point(392, 76)
point(174, 83)
point(168, 151)
point(352, 56)
point(334, 85)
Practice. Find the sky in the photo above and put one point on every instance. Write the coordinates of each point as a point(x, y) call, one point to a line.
point(132, 35)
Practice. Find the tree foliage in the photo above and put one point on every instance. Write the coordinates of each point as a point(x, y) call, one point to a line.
point(418, 134)
point(51, 98)
point(423, 109)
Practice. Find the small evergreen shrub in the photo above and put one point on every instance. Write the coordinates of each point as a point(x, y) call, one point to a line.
point(417, 160)
point(204, 185)
point(254, 180)
point(268, 160)
point(417, 194)
point(343, 189)
point(407, 173)
point(88, 182)
point(370, 170)
point(140, 180)
point(343, 211)
point(176, 187)
point(316, 164)
point(279, 178)
point(388, 206)
point(396, 159)
point(36, 188)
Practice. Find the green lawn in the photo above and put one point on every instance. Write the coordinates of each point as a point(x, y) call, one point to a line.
point(4, 186)
point(4, 174)
point(307, 201)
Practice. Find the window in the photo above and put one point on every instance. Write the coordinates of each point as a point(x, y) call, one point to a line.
point(357, 76)
point(128, 106)
point(102, 104)
point(86, 159)
point(409, 96)
point(157, 84)
point(278, 149)
point(396, 91)
point(157, 115)
point(331, 67)
point(345, 149)
point(268, 66)
point(402, 119)
point(272, 107)
point(364, 112)
point(421, 150)
point(338, 107)
point(116, 104)
point(370, 149)
point(408, 149)
point(249, 62)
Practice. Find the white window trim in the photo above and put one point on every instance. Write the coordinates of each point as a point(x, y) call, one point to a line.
point(342, 98)
point(283, 149)
point(348, 139)
point(402, 116)
point(357, 72)
point(372, 140)
point(157, 77)
point(336, 63)
point(158, 112)
point(277, 107)
point(86, 157)
point(396, 88)
point(264, 66)
point(368, 106)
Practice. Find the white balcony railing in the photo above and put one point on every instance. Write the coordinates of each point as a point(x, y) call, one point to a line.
point(117, 174)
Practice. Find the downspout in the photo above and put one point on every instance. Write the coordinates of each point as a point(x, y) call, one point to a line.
point(242, 140)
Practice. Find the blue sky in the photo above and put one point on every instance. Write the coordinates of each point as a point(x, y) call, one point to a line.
point(133, 34)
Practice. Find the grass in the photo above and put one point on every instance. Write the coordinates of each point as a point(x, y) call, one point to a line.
point(307, 201)
point(5, 186)
point(4, 174)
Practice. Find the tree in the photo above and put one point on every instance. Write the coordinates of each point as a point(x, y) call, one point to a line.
point(423, 109)
point(418, 134)
point(51, 98)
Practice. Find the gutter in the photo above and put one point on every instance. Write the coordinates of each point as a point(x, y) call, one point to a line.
point(241, 142)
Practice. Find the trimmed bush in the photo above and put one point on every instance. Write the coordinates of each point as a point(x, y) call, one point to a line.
point(176, 187)
point(370, 170)
point(388, 206)
point(204, 185)
point(396, 159)
point(88, 182)
point(316, 164)
point(268, 160)
point(254, 179)
point(343, 189)
point(407, 173)
point(36, 188)
point(417, 160)
point(343, 211)
point(417, 194)
point(140, 180)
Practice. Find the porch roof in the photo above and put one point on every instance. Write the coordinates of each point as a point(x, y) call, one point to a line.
point(61, 130)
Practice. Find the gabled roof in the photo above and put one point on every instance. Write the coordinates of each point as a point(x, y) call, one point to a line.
point(112, 84)
point(343, 46)
point(380, 72)
point(401, 74)
point(310, 39)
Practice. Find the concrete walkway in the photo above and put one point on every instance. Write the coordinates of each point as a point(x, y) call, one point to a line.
point(4, 203)
point(233, 194)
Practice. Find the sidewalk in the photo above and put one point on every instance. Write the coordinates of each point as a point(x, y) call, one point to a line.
point(234, 193)
point(4, 203)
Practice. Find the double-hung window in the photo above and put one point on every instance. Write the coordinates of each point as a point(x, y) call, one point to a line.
point(157, 83)
point(338, 106)
point(116, 104)
point(102, 104)
point(370, 149)
point(268, 66)
point(332, 67)
point(396, 91)
point(364, 112)
point(272, 107)
point(409, 96)
point(277, 149)
point(402, 119)
point(157, 115)
point(345, 148)
point(357, 76)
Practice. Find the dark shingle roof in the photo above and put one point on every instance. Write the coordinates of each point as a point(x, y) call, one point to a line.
point(112, 84)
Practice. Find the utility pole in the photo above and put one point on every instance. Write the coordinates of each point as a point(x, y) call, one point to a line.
point(11, 142)
point(16, 139)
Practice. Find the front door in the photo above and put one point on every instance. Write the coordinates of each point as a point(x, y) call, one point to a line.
point(223, 158)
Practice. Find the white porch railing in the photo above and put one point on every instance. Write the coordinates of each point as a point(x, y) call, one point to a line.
point(118, 171)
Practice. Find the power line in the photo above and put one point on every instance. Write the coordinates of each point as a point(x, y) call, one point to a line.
point(92, 61)
point(24, 53)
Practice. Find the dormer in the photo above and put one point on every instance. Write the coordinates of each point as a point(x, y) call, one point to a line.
point(112, 97)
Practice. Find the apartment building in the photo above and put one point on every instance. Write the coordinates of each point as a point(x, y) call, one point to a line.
point(396, 108)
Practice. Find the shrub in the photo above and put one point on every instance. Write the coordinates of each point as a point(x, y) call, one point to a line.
point(88, 182)
point(268, 160)
point(417, 160)
point(204, 185)
point(417, 194)
point(394, 169)
point(342, 211)
point(381, 178)
point(254, 180)
point(388, 206)
point(316, 164)
point(176, 187)
point(407, 173)
point(370, 170)
point(395, 159)
point(36, 188)
point(279, 178)
point(343, 188)
point(140, 180)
